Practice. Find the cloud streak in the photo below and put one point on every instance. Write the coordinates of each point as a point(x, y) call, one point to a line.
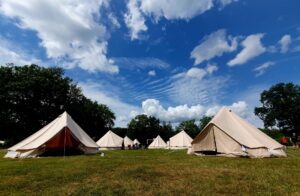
point(252, 47)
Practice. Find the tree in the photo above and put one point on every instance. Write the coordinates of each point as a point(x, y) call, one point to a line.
point(32, 96)
point(189, 127)
point(204, 121)
point(122, 132)
point(143, 127)
point(166, 131)
point(281, 107)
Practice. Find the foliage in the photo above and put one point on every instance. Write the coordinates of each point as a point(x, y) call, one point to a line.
point(273, 133)
point(189, 127)
point(122, 132)
point(150, 172)
point(281, 107)
point(166, 131)
point(32, 96)
point(143, 127)
point(204, 121)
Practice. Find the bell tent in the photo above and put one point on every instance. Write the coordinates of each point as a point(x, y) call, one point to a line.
point(136, 142)
point(228, 134)
point(180, 141)
point(128, 143)
point(62, 134)
point(110, 141)
point(157, 143)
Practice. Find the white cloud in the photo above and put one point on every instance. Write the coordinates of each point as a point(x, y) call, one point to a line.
point(195, 72)
point(134, 19)
point(99, 92)
point(152, 73)
point(226, 2)
point(252, 48)
point(69, 30)
point(10, 54)
point(210, 68)
point(260, 70)
point(152, 107)
point(199, 73)
point(114, 21)
point(137, 10)
point(175, 9)
point(213, 45)
point(285, 42)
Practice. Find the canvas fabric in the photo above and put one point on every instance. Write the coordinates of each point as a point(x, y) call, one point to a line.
point(230, 135)
point(35, 144)
point(157, 143)
point(110, 141)
point(127, 142)
point(180, 141)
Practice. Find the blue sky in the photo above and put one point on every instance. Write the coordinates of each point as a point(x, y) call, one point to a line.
point(173, 59)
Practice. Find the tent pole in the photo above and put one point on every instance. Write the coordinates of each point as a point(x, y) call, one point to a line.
point(65, 142)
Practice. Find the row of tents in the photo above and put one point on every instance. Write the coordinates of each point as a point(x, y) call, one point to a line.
point(226, 134)
point(111, 141)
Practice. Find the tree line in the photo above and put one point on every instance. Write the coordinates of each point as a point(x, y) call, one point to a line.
point(32, 96)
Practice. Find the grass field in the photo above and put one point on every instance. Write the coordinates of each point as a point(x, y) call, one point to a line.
point(150, 172)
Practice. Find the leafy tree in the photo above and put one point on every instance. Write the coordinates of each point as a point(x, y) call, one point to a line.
point(143, 127)
point(122, 132)
point(166, 131)
point(281, 107)
point(32, 96)
point(273, 133)
point(189, 127)
point(204, 121)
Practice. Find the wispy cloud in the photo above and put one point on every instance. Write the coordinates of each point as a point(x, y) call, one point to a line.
point(213, 45)
point(100, 93)
point(10, 53)
point(285, 42)
point(260, 70)
point(252, 48)
point(141, 63)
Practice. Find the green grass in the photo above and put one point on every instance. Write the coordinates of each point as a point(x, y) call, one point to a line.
point(150, 172)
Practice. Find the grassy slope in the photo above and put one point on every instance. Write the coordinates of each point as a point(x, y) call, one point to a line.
point(150, 172)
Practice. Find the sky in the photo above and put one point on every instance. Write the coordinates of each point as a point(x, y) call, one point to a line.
point(173, 59)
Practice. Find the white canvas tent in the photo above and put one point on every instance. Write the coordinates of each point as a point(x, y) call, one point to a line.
point(61, 133)
point(180, 141)
point(230, 135)
point(136, 142)
point(110, 141)
point(127, 142)
point(157, 143)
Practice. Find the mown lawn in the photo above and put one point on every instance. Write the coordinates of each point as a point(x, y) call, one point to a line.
point(150, 172)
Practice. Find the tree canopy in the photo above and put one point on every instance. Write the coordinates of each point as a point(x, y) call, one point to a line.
point(144, 127)
point(32, 96)
point(281, 107)
point(189, 127)
point(204, 121)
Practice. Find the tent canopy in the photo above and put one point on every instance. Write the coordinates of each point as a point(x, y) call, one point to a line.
point(158, 142)
point(110, 140)
point(135, 141)
point(180, 141)
point(127, 142)
point(63, 132)
point(229, 134)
